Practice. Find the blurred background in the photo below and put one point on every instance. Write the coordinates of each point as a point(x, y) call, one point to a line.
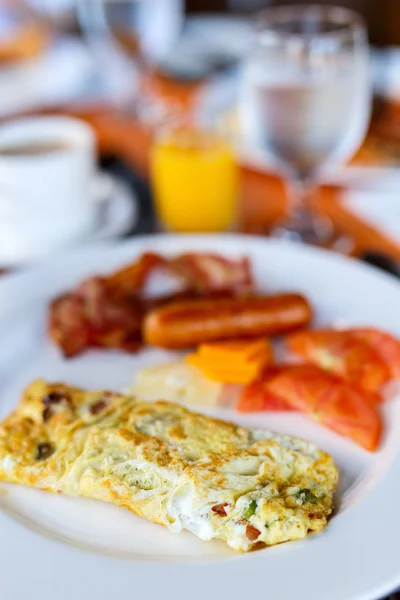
point(382, 17)
point(183, 91)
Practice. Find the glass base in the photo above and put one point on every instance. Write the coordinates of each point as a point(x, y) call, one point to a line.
point(312, 229)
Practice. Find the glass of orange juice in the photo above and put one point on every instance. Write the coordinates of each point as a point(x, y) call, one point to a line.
point(195, 180)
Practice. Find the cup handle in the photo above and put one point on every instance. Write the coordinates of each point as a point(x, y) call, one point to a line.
point(102, 188)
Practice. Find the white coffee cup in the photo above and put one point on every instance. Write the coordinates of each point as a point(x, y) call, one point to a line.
point(47, 175)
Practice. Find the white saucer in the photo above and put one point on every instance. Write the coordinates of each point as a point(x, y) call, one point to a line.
point(118, 208)
point(117, 214)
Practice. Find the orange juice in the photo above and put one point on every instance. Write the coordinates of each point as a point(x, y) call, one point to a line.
point(194, 177)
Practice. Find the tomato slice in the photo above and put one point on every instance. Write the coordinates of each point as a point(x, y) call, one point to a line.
point(340, 406)
point(256, 397)
point(343, 354)
point(387, 346)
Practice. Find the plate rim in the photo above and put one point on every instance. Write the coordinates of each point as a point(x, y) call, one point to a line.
point(367, 540)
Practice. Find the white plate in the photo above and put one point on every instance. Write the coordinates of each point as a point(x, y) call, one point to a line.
point(86, 549)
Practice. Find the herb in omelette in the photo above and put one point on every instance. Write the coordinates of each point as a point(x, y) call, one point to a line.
point(250, 510)
point(306, 495)
point(44, 450)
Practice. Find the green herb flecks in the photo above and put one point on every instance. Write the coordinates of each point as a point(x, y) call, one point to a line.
point(306, 495)
point(250, 510)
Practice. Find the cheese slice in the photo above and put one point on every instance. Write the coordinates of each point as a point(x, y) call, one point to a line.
point(176, 382)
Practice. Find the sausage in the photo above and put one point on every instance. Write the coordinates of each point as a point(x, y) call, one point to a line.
point(188, 323)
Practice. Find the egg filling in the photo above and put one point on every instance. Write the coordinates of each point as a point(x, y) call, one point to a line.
point(177, 468)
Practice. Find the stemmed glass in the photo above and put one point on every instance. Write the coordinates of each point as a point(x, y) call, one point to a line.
point(127, 38)
point(306, 101)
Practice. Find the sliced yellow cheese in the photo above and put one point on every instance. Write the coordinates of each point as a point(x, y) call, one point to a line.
point(226, 373)
point(238, 350)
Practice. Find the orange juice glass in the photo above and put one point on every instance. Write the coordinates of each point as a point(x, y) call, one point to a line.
point(195, 180)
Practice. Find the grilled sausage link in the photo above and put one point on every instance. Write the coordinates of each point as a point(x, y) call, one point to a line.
point(185, 324)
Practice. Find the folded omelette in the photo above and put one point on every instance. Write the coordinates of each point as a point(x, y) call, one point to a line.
point(167, 464)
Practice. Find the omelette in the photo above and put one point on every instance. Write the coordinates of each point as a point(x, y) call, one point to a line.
point(177, 468)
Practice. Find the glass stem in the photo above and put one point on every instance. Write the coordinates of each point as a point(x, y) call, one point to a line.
point(298, 209)
point(301, 224)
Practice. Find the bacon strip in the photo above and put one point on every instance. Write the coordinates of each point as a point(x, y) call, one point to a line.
point(92, 317)
point(132, 278)
point(67, 325)
point(107, 312)
point(210, 272)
